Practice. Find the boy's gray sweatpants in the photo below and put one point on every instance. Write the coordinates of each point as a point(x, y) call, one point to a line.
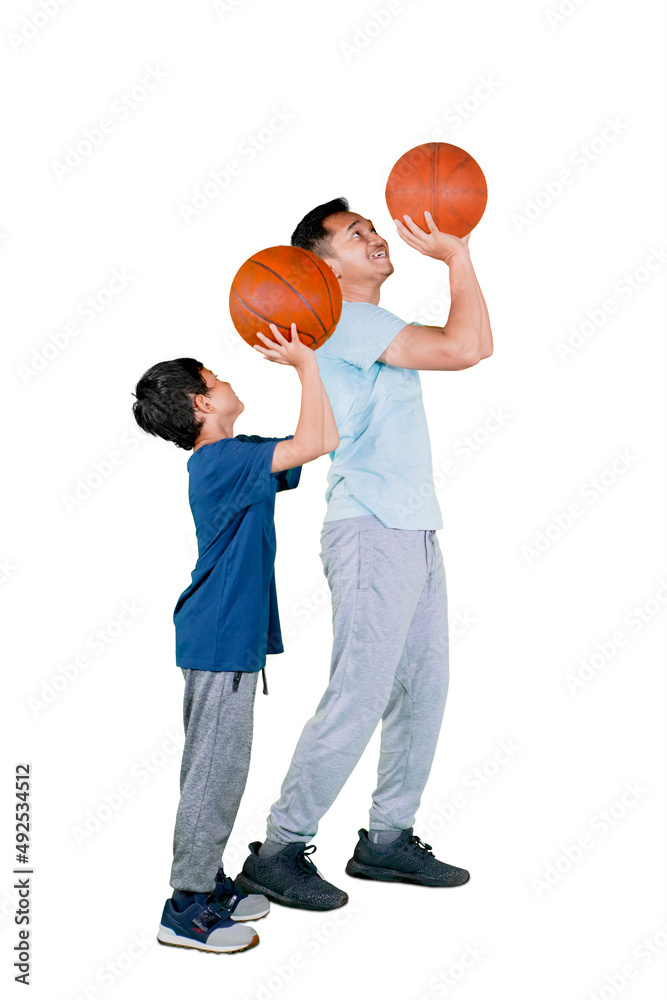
point(389, 663)
point(218, 725)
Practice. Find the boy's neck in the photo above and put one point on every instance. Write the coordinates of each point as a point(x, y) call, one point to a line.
point(212, 434)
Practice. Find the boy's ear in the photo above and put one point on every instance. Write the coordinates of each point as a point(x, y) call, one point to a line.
point(203, 403)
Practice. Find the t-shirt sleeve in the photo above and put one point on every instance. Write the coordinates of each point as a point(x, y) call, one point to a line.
point(287, 479)
point(364, 334)
point(238, 472)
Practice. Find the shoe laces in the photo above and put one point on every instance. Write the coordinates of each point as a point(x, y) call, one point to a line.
point(419, 845)
point(305, 864)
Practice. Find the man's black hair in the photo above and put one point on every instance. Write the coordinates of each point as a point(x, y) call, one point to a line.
point(311, 234)
point(164, 403)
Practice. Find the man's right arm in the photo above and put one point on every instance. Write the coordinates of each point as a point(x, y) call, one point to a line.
point(466, 336)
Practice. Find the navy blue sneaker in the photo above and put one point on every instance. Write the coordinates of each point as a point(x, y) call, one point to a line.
point(406, 859)
point(241, 905)
point(203, 923)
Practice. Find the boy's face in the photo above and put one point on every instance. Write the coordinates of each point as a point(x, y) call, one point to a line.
point(360, 253)
point(221, 402)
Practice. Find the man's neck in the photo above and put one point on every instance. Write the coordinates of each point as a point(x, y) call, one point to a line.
point(360, 293)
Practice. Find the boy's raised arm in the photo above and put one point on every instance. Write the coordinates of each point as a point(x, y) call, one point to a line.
point(316, 432)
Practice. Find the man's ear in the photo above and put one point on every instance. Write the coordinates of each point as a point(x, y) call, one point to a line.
point(333, 264)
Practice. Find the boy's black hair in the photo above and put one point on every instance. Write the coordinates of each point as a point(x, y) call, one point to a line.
point(164, 403)
point(311, 234)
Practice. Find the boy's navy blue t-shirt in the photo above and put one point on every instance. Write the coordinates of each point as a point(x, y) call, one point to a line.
point(227, 619)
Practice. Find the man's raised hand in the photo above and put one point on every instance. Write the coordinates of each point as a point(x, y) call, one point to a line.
point(441, 246)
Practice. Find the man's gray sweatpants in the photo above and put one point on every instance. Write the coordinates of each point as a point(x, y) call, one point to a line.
point(389, 663)
point(218, 725)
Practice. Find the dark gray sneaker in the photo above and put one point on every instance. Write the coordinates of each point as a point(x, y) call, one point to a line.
point(290, 878)
point(406, 859)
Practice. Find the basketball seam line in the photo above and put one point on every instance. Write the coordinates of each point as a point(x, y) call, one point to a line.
point(296, 292)
point(326, 284)
point(280, 326)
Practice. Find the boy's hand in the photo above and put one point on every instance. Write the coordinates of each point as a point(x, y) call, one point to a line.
point(442, 246)
point(286, 352)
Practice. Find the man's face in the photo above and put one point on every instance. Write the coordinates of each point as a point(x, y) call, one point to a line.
point(221, 395)
point(358, 252)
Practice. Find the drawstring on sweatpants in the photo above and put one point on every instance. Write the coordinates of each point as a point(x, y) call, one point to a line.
point(237, 681)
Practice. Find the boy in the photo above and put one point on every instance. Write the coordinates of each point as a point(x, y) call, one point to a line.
point(227, 619)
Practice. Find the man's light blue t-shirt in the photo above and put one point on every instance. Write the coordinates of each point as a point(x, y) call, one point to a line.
point(382, 465)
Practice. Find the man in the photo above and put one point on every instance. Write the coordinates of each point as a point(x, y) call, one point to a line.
point(383, 564)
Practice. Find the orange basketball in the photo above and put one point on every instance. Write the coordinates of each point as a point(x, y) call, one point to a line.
point(440, 178)
point(285, 285)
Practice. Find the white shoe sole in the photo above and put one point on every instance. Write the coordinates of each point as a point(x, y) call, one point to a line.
point(167, 936)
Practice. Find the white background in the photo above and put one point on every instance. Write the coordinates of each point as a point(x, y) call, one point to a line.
point(535, 89)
